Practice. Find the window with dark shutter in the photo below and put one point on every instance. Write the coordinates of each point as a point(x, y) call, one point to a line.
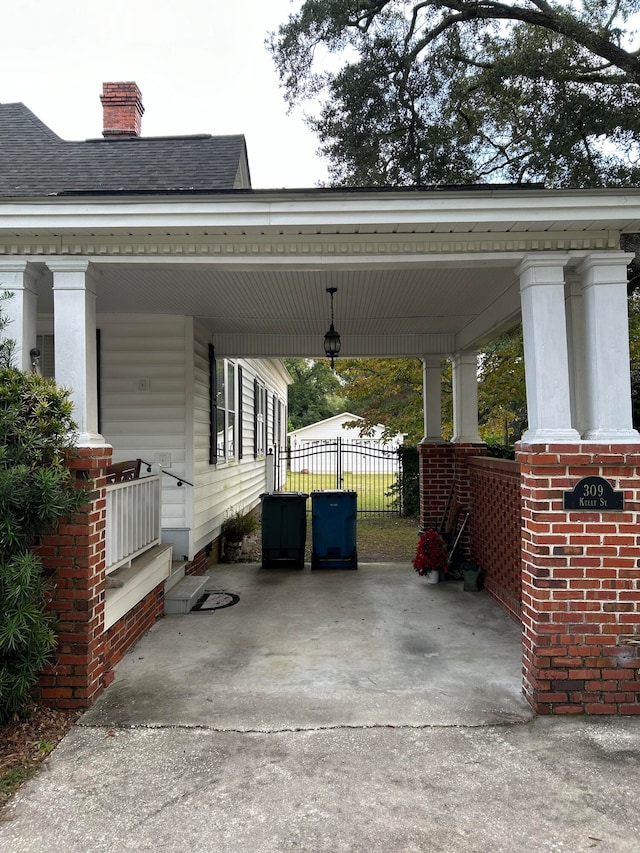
point(240, 412)
point(213, 407)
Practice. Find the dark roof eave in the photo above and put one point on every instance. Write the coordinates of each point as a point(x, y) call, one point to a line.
point(426, 188)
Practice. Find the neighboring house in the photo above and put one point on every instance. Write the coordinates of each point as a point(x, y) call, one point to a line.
point(310, 445)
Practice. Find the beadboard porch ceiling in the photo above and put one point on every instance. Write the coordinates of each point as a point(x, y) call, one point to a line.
point(283, 311)
point(416, 274)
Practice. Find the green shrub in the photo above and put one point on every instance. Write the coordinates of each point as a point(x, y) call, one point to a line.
point(237, 525)
point(500, 451)
point(36, 492)
point(405, 490)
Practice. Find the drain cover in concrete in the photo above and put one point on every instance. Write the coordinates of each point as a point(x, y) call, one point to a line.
point(215, 600)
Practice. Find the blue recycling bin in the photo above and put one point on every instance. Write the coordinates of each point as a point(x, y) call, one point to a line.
point(333, 529)
point(284, 529)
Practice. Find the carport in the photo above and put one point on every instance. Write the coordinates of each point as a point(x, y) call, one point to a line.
point(323, 650)
point(432, 272)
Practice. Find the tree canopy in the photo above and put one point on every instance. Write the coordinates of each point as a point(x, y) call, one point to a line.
point(451, 91)
point(313, 396)
point(385, 391)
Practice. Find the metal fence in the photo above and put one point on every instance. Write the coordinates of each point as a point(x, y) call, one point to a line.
point(355, 465)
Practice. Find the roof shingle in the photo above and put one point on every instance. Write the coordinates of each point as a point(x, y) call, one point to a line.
point(35, 162)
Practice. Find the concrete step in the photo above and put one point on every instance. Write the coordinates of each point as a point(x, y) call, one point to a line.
point(176, 575)
point(182, 597)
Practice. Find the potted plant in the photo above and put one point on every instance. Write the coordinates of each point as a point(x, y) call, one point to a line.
point(235, 527)
point(472, 575)
point(431, 556)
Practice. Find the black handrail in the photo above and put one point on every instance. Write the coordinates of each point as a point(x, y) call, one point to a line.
point(181, 480)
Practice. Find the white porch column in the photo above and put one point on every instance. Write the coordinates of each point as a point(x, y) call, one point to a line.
point(19, 278)
point(608, 378)
point(465, 398)
point(74, 306)
point(574, 308)
point(545, 349)
point(432, 398)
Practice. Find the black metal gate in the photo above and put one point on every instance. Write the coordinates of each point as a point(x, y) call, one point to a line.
point(361, 466)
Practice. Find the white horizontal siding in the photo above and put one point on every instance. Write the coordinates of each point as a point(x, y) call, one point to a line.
point(144, 423)
point(227, 485)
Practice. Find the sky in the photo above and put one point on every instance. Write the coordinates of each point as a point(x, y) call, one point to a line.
point(201, 65)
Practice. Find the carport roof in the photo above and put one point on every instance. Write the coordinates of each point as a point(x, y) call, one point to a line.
point(419, 271)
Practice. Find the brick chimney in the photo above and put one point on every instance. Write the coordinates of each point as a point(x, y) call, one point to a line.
point(122, 109)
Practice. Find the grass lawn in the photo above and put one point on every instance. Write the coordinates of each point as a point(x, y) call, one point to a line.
point(386, 539)
point(373, 489)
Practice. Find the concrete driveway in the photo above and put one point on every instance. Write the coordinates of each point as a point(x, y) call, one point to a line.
point(330, 711)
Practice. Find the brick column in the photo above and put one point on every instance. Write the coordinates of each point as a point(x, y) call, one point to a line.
point(580, 582)
point(74, 561)
point(436, 480)
point(463, 488)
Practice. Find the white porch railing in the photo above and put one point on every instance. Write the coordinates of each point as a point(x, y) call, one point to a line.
point(132, 520)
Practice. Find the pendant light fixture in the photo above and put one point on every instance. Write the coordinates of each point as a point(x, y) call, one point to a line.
point(332, 338)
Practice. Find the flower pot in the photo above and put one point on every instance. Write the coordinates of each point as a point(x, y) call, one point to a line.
point(232, 551)
point(472, 580)
point(432, 576)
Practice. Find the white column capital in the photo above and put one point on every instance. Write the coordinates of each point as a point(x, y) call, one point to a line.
point(541, 268)
point(18, 275)
point(73, 274)
point(604, 268)
point(469, 358)
point(432, 361)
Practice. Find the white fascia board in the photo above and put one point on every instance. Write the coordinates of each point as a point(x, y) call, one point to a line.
point(281, 370)
point(551, 208)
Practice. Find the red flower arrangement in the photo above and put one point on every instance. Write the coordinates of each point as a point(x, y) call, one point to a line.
point(431, 554)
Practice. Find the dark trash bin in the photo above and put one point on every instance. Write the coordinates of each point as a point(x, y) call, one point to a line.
point(284, 529)
point(333, 529)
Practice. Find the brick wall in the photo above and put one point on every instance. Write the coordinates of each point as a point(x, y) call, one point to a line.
point(133, 625)
point(496, 517)
point(436, 480)
point(199, 564)
point(580, 585)
point(74, 561)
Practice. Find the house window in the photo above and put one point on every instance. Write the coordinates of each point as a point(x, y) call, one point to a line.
point(223, 394)
point(274, 416)
point(240, 413)
point(226, 409)
point(281, 424)
point(47, 355)
point(260, 420)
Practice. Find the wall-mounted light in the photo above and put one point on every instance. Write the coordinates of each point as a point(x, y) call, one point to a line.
point(332, 338)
